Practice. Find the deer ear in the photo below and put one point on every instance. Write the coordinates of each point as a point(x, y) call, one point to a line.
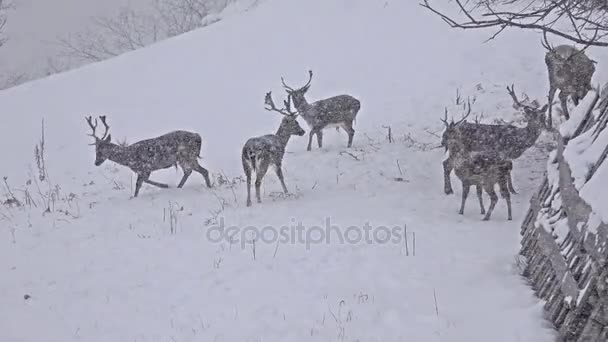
point(108, 138)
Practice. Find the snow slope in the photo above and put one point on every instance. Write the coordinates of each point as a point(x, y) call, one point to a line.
point(103, 266)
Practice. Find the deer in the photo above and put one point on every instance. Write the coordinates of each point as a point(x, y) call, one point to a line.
point(570, 72)
point(143, 157)
point(482, 169)
point(259, 153)
point(506, 141)
point(337, 111)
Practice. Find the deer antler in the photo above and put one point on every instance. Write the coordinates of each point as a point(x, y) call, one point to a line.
point(445, 118)
point(271, 107)
point(467, 106)
point(516, 102)
point(94, 127)
point(285, 85)
point(107, 128)
point(305, 86)
point(545, 42)
point(309, 79)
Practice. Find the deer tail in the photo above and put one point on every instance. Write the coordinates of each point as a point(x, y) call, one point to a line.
point(252, 158)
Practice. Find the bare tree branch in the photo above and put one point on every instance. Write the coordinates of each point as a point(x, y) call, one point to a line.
point(580, 21)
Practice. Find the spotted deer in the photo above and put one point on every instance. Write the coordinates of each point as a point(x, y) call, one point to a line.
point(175, 148)
point(261, 152)
point(570, 72)
point(337, 111)
point(482, 169)
point(505, 141)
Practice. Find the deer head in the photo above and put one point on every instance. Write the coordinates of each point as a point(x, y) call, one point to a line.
point(297, 95)
point(289, 124)
point(532, 112)
point(451, 132)
point(103, 145)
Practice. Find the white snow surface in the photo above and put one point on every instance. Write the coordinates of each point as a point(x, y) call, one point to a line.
point(105, 267)
point(593, 191)
point(578, 114)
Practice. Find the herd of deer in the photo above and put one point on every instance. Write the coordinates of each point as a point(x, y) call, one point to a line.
point(480, 154)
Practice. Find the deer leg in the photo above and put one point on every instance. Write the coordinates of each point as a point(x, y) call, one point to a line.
point(348, 127)
point(198, 168)
point(147, 180)
point(493, 201)
point(505, 193)
point(310, 134)
point(260, 173)
point(510, 184)
point(465, 192)
point(447, 169)
point(160, 185)
point(141, 177)
point(279, 171)
point(187, 173)
point(563, 98)
point(247, 170)
point(552, 91)
point(320, 138)
point(480, 197)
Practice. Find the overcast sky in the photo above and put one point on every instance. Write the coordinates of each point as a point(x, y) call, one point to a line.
point(35, 24)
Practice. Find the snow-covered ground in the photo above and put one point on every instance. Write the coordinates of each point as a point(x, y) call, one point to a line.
point(103, 266)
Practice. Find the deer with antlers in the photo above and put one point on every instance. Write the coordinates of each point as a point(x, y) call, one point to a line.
point(482, 169)
point(337, 111)
point(175, 148)
point(260, 153)
point(507, 142)
point(570, 72)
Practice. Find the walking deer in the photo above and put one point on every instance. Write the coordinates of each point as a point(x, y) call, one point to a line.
point(507, 142)
point(337, 111)
point(175, 148)
point(260, 153)
point(481, 169)
point(570, 71)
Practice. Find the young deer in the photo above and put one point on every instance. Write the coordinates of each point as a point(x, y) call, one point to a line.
point(146, 156)
point(507, 141)
point(260, 153)
point(481, 169)
point(337, 111)
point(570, 71)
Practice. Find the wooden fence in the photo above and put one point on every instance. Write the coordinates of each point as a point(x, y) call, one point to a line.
point(564, 246)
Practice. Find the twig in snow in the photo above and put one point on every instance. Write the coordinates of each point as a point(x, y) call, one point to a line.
point(431, 133)
point(389, 135)
point(407, 250)
point(350, 154)
point(436, 306)
point(12, 200)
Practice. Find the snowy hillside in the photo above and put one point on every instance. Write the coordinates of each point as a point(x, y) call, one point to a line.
point(103, 266)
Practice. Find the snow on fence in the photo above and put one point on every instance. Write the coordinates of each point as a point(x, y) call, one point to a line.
point(565, 232)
